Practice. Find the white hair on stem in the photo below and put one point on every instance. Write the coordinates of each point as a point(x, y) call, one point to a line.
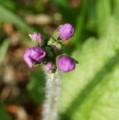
point(53, 87)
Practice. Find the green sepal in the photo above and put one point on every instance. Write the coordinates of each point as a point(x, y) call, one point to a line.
point(35, 64)
point(61, 40)
point(51, 41)
point(34, 43)
point(49, 52)
point(52, 71)
point(30, 36)
point(57, 46)
point(75, 61)
point(41, 43)
point(43, 62)
point(56, 35)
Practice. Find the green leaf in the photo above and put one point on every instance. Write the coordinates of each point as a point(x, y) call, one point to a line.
point(9, 16)
point(56, 35)
point(68, 13)
point(91, 91)
point(62, 3)
point(8, 3)
point(116, 8)
point(36, 86)
point(3, 49)
point(3, 114)
point(79, 24)
point(91, 22)
point(103, 13)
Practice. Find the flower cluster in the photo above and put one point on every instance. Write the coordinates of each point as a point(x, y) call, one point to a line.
point(49, 52)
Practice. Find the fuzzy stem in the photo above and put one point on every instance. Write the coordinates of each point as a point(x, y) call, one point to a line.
point(50, 110)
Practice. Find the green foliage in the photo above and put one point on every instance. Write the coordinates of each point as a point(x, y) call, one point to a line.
point(69, 14)
point(9, 16)
point(36, 86)
point(3, 114)
point(3, 49)
point(116, 8)
point(92, 90)
point(80, 23)
point(62, 3)
point(8, 3)
point(103, 13)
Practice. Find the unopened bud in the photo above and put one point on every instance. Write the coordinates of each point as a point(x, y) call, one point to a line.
point(38, 38)
point(66, 31)
point(50, 67)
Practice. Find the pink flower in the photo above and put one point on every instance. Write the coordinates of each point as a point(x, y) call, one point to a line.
point(66, 63)
point(34, 55)
point(66, 31)
point(50, 67)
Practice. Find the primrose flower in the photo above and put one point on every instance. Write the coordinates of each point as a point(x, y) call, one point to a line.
point(50, 67)
point(66, 63)
point(66, 31)
point(34, 55)
point(50, 50)
point(38, 38)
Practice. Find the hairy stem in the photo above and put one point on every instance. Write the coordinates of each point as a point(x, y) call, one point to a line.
point(50, 110)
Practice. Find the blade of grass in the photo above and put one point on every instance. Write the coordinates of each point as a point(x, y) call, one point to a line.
point(62, 3)
point(8, 3)
point(80, 24)
point(3, 114)
point(103, 12)
point(116, 9)
point(91, 23)
point(68, 13)
point(0, 29)
point(7, 15)
point(3, 49)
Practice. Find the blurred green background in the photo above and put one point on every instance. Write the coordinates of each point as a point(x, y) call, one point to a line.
point(91, 91)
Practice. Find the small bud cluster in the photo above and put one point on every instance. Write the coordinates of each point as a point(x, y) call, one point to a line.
point(49, 52)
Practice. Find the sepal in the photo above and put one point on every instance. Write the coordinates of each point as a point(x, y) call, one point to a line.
point(49, 53)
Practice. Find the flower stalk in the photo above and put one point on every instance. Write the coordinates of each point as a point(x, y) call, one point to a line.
point(53, 87)
point(49, 53)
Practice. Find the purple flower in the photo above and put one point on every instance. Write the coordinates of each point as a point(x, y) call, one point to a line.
point(37, 37)
point(66, 63)
point(34, 55)
point(27, 58)
point(50, 67)
point(66, 31)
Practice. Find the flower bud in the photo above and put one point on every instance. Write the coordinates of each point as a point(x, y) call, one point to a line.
point(38, 38)
point(50, 67)
point(66, 31)
point(66, 63)
point(37, 54)
point(34, 55)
